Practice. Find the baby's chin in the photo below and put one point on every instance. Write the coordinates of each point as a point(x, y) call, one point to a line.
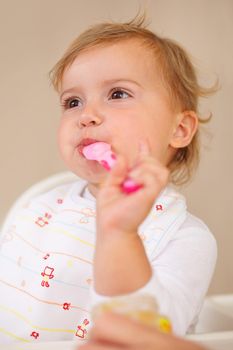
point(95, 183)
point(94, 174)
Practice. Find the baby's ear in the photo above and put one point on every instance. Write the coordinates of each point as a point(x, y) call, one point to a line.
point(185, 128)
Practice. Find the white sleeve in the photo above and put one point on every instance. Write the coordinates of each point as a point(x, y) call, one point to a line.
point(181, 276)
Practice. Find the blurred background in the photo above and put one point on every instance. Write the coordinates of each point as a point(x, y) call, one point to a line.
point(33, 36)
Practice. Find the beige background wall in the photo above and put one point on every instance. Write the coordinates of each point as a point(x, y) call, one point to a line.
point(33, 35)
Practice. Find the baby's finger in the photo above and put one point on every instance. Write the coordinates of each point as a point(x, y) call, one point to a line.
point(144, 152)
point(118, 172)
point(152, 181)
point(143, 149)
point(156, 169)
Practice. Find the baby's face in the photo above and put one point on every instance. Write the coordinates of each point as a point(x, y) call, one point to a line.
point(114, 94)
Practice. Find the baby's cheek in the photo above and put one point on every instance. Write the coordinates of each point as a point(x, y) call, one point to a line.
point(129, 149)
point(62, 137)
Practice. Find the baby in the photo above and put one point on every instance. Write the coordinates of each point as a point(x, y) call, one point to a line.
point(120, 228)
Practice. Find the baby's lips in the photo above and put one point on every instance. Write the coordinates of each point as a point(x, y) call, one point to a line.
point(84, 143)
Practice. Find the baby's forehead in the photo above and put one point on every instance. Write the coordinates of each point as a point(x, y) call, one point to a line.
point(131, 55)
point(117, 59)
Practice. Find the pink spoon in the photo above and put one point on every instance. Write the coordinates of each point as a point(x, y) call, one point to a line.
point(102, 153)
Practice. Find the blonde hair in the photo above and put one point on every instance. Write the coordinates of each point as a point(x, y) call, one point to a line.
point(178, 73)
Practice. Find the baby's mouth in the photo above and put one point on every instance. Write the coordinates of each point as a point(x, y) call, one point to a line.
point(84, 143)
point(102, 153)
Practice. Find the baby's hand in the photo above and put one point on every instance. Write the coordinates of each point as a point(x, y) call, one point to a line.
point(118, 332)
point(121, 212)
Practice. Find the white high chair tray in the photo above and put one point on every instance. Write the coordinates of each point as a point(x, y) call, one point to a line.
point(215, 327)
point(214, 341)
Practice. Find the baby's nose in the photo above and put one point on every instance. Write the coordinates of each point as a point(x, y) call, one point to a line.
point(89, 119)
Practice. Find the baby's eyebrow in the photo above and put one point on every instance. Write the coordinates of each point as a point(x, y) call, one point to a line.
point(67, 91)
point(105, 83)
point(123, 80)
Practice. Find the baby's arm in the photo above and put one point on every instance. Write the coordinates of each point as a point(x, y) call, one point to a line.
point(121, 265)
point(181, 274)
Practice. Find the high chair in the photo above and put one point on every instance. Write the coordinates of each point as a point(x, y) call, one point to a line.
point(38, 188)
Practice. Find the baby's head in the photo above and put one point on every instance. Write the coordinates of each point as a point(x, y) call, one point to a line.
point(121, 83)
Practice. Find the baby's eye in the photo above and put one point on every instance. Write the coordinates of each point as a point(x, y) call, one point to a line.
point(71, 103)
point(119, 94)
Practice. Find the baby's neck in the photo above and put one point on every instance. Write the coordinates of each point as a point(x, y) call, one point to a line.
point(94, 189)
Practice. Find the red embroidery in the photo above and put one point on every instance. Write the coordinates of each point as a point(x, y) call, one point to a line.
point(60, 201)
point(46, 256)
point(34, 335)
point(42, 221)
point(47, 275)
point(81, 332)
point(159, 207)
point(66, 306)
